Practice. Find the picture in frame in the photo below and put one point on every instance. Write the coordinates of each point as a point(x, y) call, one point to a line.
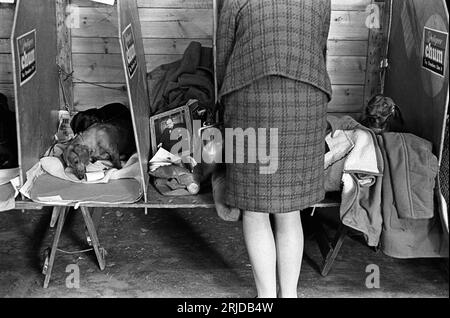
point(172, 129)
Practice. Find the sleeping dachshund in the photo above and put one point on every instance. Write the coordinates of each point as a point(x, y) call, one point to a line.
point(84, 119)
point(113, 141)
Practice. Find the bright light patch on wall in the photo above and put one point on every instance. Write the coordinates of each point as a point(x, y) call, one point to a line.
point(6, 1)
point(110, 2)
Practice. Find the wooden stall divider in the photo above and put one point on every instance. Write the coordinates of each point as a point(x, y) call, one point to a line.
point(33, 43)
point(133, 58)
point(420, 93)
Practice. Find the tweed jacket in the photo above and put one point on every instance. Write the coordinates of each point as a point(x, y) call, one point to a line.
point(256, 38)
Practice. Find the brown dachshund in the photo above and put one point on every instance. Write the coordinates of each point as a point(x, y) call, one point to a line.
point(84, 119)
point(380, 113)
point(111, 141)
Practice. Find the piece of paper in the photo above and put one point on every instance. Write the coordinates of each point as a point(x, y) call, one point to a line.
point(163, 158)
point(94, 176)
point(110, 2)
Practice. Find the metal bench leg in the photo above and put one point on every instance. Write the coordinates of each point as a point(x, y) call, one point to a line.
point(48, 267)
point(93, 235)
point(334, 250)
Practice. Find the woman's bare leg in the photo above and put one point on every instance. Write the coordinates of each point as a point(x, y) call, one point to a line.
point(289, 247)
point(260, 245)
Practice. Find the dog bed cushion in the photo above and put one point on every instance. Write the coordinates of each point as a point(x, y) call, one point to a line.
point(50, 189)
point(51, 183)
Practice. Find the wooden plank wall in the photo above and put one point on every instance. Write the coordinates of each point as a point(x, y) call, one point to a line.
point(169, 25)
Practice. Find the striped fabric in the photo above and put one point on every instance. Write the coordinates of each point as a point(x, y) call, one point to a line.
point(298, 111)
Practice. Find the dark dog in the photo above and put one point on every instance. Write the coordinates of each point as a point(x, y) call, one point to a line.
point(83, 120)
point(8, 136)
point(112, 141)
point(380, 112)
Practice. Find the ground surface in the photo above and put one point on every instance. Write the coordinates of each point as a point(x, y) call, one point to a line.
point(186, 253)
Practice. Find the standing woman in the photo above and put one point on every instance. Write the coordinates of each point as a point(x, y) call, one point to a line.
point(272, 74)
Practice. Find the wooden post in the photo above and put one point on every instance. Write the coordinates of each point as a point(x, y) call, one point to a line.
point(375, 53)
point(64, 51)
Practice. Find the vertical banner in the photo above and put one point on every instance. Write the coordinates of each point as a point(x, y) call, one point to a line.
point(133, 58)
point(417, 77)
point(26, 49)
point(35, 74)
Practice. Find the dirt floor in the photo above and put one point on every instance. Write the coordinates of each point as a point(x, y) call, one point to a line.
point(184, 254)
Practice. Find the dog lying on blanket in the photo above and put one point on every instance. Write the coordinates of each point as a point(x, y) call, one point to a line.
point(112, 140)
point(84, 119)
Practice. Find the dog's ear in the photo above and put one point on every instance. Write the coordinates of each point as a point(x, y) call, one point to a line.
point(68, 154)
point(398, 114)
point(82, 152)
point(75, 122)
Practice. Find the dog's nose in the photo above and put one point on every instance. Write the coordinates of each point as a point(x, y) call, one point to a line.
point(79, 175)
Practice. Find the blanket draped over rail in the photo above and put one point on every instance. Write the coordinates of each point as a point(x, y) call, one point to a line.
point(173, 85)
point(388, 188)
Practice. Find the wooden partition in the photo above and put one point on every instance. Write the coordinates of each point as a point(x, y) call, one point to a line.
point(6, 78)
point(133, 58)
point(33, 42)
point(420, 91)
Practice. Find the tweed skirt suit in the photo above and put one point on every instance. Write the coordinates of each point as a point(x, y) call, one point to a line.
point(271, 74)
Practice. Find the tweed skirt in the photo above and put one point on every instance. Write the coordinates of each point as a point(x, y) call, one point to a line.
point(297, 112)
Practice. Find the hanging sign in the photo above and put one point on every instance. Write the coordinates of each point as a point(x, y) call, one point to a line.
point(26, 50)
point(434, 50)
point(130, 51)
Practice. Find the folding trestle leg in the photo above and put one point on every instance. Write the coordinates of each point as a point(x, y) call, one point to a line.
point(58, 213)
point(334, 249)
point(329, 250)
point(96, 216)
point(99, 252)
point(59, 217)
point(55, 215)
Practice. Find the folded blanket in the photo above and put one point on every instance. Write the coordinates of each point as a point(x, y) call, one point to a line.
point(361, 192)
point(355, 156)
point(406, 237)
point(8, 188)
